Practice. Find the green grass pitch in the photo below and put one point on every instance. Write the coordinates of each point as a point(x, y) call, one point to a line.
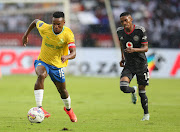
point(98, 103)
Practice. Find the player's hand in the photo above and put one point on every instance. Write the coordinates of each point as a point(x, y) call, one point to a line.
point(121, 63)
point(63, 58)
point(25, 40)
point(129, 50)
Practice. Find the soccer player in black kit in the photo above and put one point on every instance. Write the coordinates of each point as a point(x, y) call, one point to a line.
point(134, 44)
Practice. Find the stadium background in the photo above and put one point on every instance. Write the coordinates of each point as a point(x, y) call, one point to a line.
point(93, 77)
point(94, 23)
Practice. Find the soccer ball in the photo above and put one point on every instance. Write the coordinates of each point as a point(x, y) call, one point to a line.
point(35, 115)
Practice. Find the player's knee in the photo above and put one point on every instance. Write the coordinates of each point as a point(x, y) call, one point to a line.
point(123, 86)
point(41, 76)
point(141, 87)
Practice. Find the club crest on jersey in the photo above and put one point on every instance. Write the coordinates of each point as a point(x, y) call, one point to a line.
point(129, 44)
point(61, 41)
point(136, 38)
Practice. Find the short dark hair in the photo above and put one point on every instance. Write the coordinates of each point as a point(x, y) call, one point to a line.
point(58, 14)
point(125, 14)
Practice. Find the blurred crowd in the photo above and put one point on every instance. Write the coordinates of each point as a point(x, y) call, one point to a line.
point(15, 17)
point(161, 18)
point(90, 23)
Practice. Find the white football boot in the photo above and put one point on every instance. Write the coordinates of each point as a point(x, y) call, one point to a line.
point(134, 95)
point(145, 117)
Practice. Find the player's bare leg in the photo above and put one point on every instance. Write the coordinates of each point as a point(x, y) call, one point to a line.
point(124, 86)
point(39, 88)
point(61, 87)
point(144, 102)
point(42, 74)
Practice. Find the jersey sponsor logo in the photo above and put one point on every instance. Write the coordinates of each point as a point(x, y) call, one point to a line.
point(129, 45)
point(49, 45)
point(59, 47)
point(40, 24)
point(53, 46)
point(136, 38)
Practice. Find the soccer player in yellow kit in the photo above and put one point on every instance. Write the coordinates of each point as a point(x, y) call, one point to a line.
point(57, 39)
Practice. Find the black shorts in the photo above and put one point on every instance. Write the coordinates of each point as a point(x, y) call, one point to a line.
point(141, 75)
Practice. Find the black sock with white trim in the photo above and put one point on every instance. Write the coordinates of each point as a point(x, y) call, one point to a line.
point(144, 101)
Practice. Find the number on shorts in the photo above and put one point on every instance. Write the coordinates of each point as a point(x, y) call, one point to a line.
point(61, 73)
point(146, 75)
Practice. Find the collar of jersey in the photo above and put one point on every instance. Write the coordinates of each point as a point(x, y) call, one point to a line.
point(129, 32)
point(58, 33)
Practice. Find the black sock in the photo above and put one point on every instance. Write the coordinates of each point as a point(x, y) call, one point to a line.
point(127, 89)
point(130, 89)
point(124, 86)
point(144, 101)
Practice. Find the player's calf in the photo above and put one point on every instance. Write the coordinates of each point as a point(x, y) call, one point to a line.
point(144, 101)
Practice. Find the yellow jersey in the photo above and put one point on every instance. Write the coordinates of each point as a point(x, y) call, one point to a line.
point(54, 45)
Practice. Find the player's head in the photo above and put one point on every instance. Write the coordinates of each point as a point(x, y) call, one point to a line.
point(58, 21)
point(126, 20)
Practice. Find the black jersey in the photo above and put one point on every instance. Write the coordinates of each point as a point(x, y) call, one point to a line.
point(134, 39)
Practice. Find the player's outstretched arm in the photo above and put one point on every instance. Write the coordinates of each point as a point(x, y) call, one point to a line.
point(72, 55)
point(25, 36)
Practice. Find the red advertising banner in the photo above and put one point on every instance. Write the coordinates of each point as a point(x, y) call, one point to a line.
point(10, 57)
point(162, 63)
point(15, 39)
